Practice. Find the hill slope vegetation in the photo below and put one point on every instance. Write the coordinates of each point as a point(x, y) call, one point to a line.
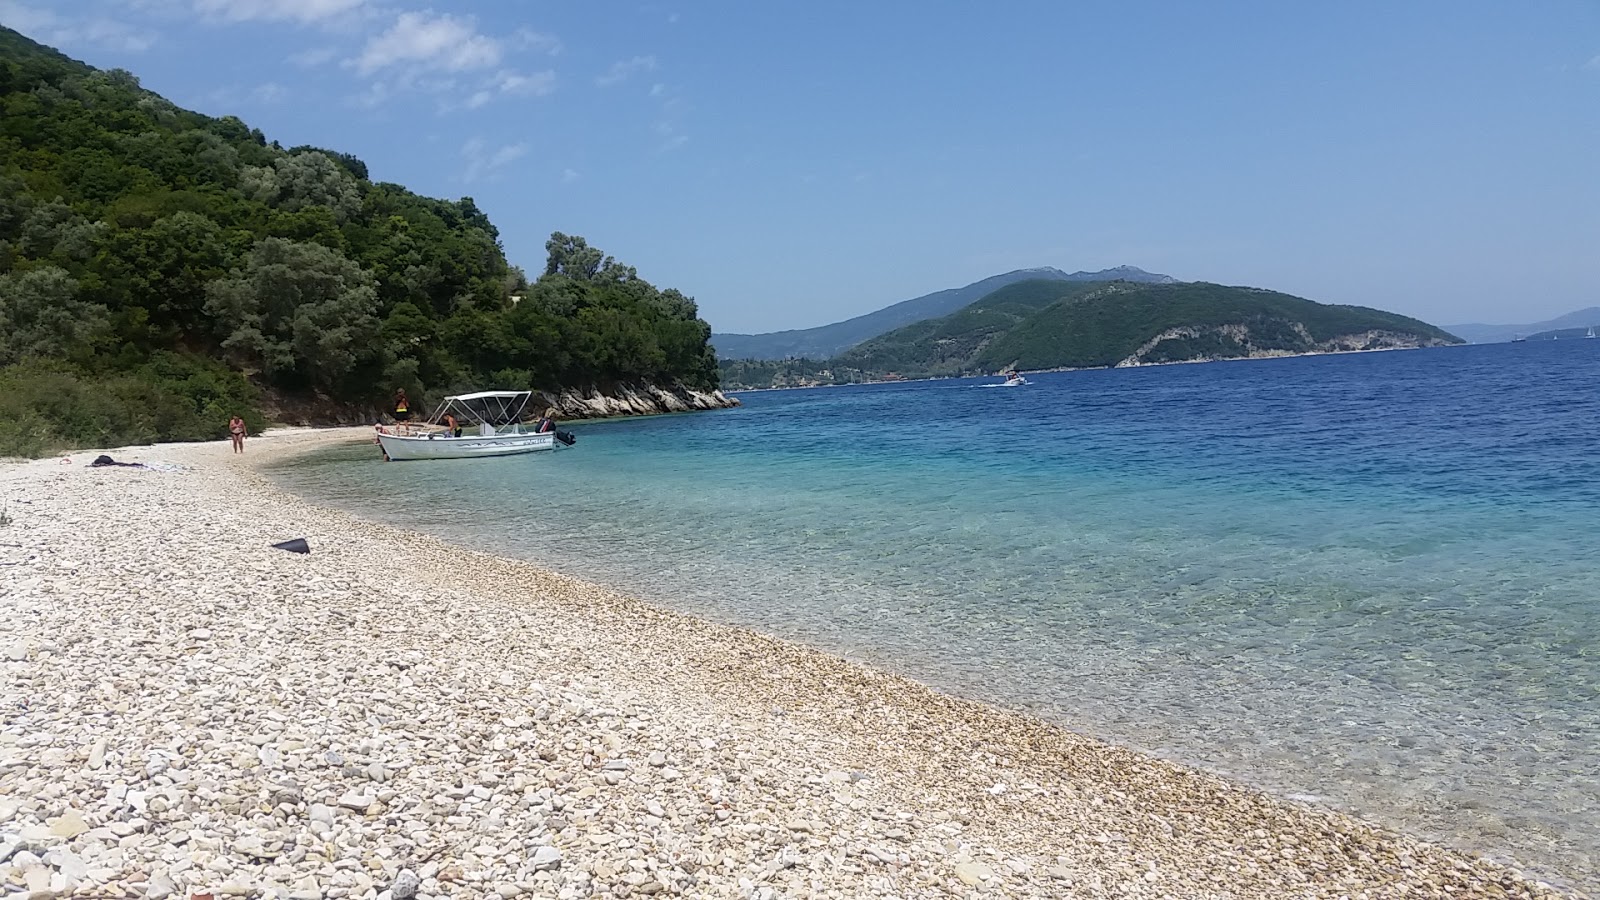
point(826, 340)
point(1054, 325)
point(161, 270)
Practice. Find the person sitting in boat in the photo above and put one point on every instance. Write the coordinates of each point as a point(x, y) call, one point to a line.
point(548, 422)
point(402, 406)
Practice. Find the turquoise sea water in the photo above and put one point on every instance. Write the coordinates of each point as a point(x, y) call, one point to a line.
point(1371, 581)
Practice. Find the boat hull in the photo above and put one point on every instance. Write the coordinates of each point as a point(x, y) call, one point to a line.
point(468, 446)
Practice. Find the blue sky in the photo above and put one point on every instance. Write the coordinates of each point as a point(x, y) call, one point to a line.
point(791, 164)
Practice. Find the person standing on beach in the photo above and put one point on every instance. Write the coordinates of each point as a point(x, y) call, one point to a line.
point(236, 429)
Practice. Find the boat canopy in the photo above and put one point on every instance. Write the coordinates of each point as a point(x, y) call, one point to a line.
point(493, 407)
point(484, 395)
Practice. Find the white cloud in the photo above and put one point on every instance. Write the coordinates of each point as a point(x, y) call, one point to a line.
point(301, 11)
point(426, 41)
point(95, 31)
point(1593, 63)
point(483, 161)
point(621, 71)
point(568, 176)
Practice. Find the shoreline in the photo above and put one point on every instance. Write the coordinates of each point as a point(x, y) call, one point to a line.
point(1119, 365)
point(631, 741)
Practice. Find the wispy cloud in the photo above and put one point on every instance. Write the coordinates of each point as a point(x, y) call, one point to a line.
point(95, 31)
point(525, 38)
point(300, 11)
point(671, 137)
point(509, 83)
point(668, 126)
point(233, 96)
point(271, 92)
point(312, 57)
point(539, 84)
point(1593, 63)
point(622, 71)
point(483, 160)
point(568, 176)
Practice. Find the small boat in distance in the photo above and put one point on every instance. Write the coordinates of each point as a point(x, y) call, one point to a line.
point(1591, 332)
point(1518, 339)
point(1015, 379)
point(496, 429)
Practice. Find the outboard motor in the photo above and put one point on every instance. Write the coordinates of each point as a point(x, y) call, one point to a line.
point(566, 437)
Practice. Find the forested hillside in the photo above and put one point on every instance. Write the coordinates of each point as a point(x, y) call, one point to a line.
point(1125, 324)
point(825, 341)
point(161, 269)
point(1049, 324)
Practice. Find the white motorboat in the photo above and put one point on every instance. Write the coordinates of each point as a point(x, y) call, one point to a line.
point(489, 423)
point(1015, 380)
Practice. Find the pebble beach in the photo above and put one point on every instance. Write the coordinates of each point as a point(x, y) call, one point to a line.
point(186, 711)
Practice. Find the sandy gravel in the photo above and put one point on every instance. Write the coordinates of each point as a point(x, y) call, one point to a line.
point(185, 710)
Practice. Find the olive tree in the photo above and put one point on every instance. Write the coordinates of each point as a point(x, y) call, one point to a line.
point(301, 313)
point(42, 317)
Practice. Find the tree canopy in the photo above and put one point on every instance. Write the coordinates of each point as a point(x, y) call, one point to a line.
point(141, 243)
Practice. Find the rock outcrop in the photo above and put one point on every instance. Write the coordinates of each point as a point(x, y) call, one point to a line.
point(1237, 341)
point(593, 402)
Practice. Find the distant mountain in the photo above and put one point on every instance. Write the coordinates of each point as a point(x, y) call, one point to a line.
point(826, 340)
point(1563, 334)
point(1048, 324)
point(1489, 334)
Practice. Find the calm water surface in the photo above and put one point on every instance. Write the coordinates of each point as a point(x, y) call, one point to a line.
point(1368, 580)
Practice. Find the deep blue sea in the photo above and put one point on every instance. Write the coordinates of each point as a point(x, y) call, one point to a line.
point(1370, 581)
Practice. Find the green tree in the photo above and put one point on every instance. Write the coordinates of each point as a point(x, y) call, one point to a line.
point(301, 313)
point(41, 317)
point(573, 257)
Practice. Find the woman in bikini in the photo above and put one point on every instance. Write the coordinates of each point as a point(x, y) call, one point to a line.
point(237, 429)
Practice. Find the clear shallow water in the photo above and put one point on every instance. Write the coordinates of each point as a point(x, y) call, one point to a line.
point(1371, 579)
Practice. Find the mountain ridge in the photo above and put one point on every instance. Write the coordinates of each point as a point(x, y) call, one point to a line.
point(824, 341)
point(1480, 333)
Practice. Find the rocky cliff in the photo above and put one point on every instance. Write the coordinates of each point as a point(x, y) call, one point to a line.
point(629, 400)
